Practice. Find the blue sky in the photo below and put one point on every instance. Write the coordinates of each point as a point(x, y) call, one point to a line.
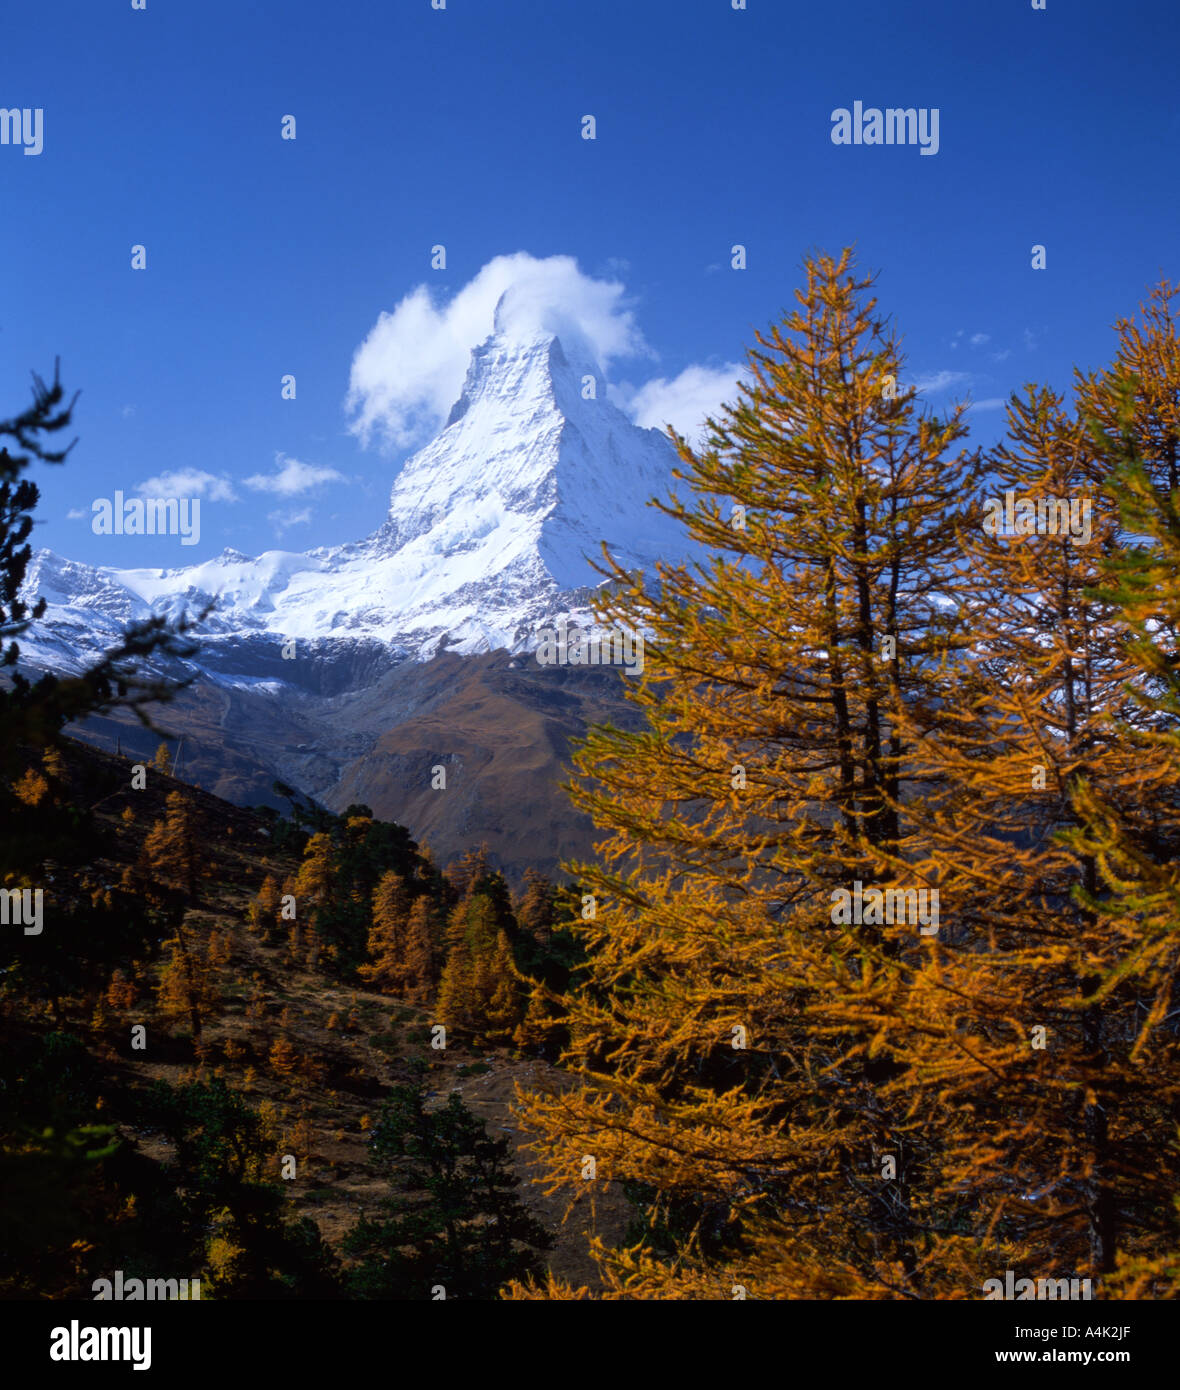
point(463, 127)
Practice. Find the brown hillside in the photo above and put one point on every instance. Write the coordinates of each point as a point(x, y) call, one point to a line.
point(347, 1042)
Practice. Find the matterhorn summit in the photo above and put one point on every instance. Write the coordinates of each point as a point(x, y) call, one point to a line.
point(534, 469)
point(491, 529)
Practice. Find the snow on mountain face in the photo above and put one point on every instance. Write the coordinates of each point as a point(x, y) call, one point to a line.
point(528, 477)
point(490, 530)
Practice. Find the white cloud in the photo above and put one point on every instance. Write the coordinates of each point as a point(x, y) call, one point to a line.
point(684, 401)
point(409, 370)
point(941, 381)
point(188, 482)
point(978, 339)
point(991, 403)
point(291, 477)
point(281, 520)
point(75, 514)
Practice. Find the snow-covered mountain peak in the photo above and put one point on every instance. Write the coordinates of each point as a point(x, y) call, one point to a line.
point(530, 371)
point(491, 526)
point(534, 446)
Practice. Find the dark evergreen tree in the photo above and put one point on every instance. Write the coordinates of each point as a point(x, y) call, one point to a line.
point(455, 1221)
point(57, 1152)
point(230, 1218)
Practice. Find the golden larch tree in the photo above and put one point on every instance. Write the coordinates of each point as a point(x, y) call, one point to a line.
point(718, 1073)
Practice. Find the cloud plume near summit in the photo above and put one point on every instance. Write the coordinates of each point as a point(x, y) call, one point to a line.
point(410, 368)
